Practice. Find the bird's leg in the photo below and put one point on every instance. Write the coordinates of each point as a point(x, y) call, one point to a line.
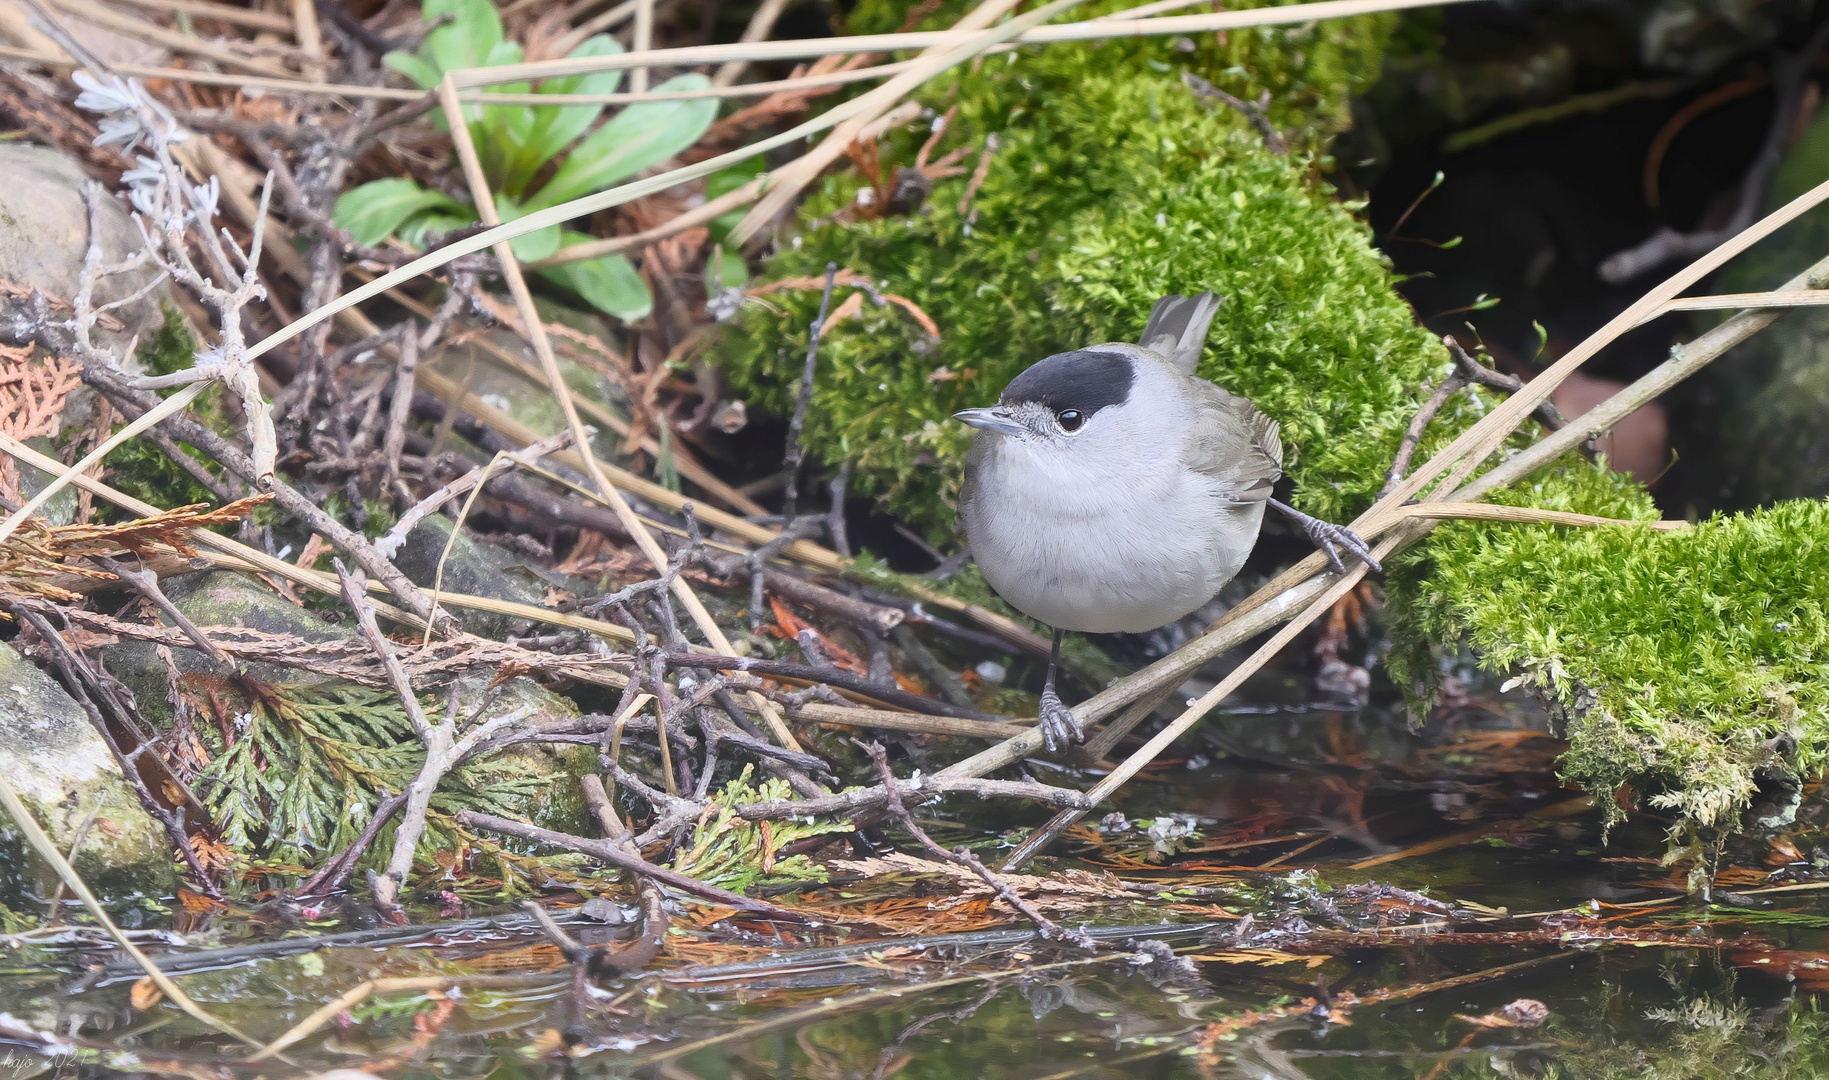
point(1330, 538)
point(1059, 728)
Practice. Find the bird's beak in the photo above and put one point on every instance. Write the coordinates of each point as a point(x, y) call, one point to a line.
point(991, 420)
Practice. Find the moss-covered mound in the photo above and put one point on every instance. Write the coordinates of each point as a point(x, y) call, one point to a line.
point(1692, 665)
point(1112, 185)
point(1685, 663)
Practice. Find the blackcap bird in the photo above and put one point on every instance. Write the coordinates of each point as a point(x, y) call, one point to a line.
point(1112, 490)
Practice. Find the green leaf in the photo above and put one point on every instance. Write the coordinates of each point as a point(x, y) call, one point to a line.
point(414, 231)
point(557, 126)
point(424, 75)
point(374, 210)
point(724, 270)
point(609, 283)
point(550, 129)
point(465, 41)
point(723, 182)
point(533, 246)
point(641, 135)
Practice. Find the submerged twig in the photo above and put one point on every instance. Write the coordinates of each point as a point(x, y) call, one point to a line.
point(892, 801)
point(612, 853)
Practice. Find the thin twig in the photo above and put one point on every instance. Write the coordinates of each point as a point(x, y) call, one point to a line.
point(963, 857)
point(606, 851)
point(791, 458)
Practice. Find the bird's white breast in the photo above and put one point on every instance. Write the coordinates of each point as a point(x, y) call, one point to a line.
point(1096, 547)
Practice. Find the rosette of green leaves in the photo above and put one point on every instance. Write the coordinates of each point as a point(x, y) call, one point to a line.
point(515, 144)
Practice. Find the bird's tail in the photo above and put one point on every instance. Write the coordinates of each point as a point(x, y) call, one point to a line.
point(1177, 328)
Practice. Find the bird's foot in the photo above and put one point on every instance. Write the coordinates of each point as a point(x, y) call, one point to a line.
point(1060, 729)
point(1330, 538)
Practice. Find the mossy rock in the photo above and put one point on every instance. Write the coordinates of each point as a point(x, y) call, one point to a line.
point(66, 776)
point(1113, 185)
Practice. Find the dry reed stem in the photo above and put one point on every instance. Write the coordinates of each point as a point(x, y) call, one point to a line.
point(641, 41)
point(758, 29)
point(1031, 34)
point(1777, 298)
point(1685, 360)
point(309, 36)
point(63, 474)
point(52, 57)
point(45, 58)
point(233, 555)
point(786, 183)
point(838, 114)
point(224, 13)
point(171, 39)
point(1472, 446)
point(711, 211)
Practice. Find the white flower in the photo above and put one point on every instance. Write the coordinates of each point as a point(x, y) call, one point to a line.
point(125, 130)
point(115, 95)
point(204, 197)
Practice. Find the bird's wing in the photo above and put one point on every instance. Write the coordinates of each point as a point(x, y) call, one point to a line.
point(1232, 442)
point(968, 492)
point(1177, 329)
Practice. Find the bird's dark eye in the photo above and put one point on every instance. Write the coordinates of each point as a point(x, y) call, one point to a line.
point(1070, 419)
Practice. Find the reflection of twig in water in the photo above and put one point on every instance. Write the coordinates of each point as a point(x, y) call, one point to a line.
point(963, 857)
point(888, 1055)
point(1219, 1034)
point(834, 1005)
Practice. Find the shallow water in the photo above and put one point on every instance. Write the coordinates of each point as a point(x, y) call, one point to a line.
point(1288, 803)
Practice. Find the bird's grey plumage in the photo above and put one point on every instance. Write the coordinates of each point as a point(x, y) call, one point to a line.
point(1112, 489)
point(1233, 442)
point(1177, 329)
point(1140, 516)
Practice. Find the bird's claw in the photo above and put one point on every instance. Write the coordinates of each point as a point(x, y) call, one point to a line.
point(1330, 538)
point(1060, 729)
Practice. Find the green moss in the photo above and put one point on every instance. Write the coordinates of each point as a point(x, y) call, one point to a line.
point(1113, 185)
point(172, 348)
point(138, 467)
point(1687, 663)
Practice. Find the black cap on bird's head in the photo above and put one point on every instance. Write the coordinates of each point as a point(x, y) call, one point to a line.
point(1072, 387)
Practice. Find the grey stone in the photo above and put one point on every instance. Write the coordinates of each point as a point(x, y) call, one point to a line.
point(64, 772)
point(44, 234)
point(479, 569)
point(511, 390)
point(61, 508)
